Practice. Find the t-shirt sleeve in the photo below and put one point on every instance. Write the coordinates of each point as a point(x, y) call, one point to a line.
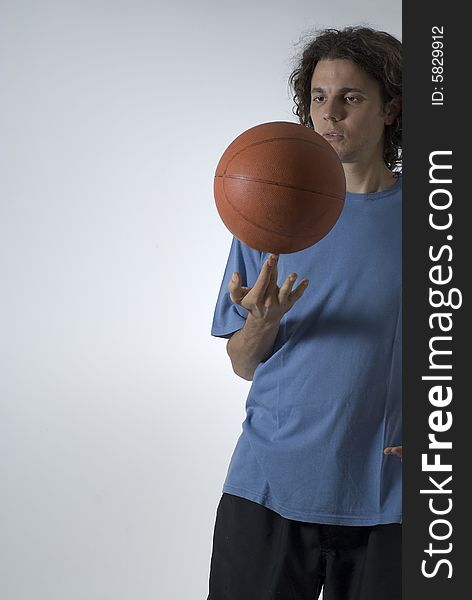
point(230, 317)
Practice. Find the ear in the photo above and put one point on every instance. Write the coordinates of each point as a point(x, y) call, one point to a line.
point(391, 110)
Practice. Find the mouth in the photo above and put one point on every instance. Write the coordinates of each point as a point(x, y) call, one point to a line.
point(333, 135)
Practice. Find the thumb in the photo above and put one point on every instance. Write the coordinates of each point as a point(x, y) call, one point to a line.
point(235, 290)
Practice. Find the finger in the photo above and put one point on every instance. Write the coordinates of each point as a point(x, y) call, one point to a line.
point(394, 450)
point(236, 292)
point(274, 258)
point(272, 288)
point(298, 291)
point(286, 288)
point(263, 280)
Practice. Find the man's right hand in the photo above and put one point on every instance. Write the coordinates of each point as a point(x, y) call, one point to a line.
point(266, 304)
point(265, 301)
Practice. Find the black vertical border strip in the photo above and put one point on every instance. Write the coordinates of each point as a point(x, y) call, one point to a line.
point(428, 128)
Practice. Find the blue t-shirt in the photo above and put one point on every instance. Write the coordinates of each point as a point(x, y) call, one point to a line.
point(322, 408)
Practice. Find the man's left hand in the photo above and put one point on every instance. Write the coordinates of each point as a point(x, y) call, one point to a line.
point(396, 450)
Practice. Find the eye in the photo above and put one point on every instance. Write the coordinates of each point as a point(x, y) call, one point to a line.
point(317, 99)
point(352, 99)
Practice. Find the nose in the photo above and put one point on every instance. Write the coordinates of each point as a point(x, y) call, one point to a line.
point(332, 111)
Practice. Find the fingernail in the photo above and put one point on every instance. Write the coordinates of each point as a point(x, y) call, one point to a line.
point(234, 277)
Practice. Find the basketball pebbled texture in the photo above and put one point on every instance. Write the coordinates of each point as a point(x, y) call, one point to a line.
point(279, 187)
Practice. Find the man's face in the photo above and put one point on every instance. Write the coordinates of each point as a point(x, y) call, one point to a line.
point(346, 109)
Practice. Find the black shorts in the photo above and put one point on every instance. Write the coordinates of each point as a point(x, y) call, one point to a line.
point(259, 555)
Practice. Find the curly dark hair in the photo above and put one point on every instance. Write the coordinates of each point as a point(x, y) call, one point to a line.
point(378, 53)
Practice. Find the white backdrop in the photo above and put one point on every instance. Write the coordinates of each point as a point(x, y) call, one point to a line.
point(118, 411)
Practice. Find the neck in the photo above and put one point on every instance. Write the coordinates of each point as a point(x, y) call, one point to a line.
point(367, 178)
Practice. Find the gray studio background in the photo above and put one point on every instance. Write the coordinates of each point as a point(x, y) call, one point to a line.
point(118, 411)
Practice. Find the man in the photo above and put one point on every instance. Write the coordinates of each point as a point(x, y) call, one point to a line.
point(312, 500)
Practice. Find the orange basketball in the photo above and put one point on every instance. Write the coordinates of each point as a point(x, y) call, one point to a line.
point(279, 187)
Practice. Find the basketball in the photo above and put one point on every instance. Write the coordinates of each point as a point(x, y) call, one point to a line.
point(279, 187)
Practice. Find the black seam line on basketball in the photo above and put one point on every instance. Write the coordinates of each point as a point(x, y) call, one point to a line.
point(282, 235)
point(285, 185)
point(274, 139)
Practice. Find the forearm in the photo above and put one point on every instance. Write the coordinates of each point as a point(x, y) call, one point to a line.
point(251, 345)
